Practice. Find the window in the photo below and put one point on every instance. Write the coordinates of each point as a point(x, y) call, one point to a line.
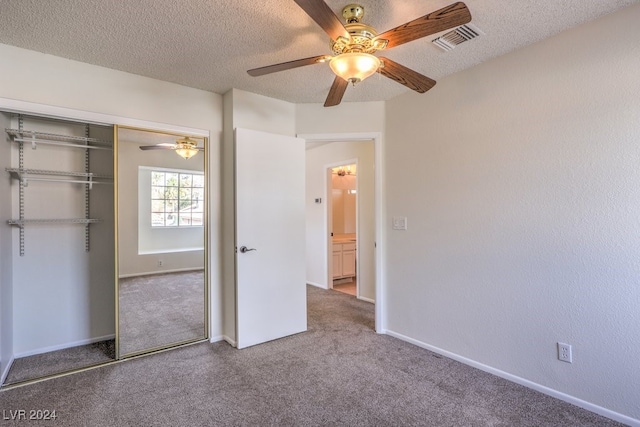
point(177, 199)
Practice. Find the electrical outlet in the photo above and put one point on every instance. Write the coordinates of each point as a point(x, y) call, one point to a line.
point(399, 223)
point(159, 263)
point(564, 352)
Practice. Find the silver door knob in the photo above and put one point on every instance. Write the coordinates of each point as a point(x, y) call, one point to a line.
point(244, 249)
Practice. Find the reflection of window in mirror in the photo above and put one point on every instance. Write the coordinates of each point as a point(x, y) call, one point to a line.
point(171, 206)
point(177, 198)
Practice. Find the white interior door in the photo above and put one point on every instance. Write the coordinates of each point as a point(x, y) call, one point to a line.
point(271, 294)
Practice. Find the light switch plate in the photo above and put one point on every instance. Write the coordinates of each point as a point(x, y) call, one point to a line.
point(399, 223)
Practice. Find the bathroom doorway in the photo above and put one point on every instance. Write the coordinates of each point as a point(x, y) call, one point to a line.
point(343, 205)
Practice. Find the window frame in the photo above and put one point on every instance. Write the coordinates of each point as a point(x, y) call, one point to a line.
point(178, 200)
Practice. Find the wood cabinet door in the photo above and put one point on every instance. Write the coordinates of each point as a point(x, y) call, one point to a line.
point(337, 261)
point(349, 263)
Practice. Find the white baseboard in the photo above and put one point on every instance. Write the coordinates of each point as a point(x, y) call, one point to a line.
point(372, 301)
point(231, 342)
point(5, 372)
point(154, 273)
point(170, 251)
point(524, 382)
point(217, 338)
point(63, 346)
point(317, 285)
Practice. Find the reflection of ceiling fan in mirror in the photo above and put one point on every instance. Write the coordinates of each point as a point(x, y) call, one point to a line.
point(184, 147)
point(354, 44)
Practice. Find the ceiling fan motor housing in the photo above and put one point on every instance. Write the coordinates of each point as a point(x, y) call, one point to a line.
point(362, 36)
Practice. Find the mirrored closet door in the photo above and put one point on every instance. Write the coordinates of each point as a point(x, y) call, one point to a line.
point(160, 240)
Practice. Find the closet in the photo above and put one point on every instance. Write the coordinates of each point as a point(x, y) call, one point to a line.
point(103, 237)
point(60, 195)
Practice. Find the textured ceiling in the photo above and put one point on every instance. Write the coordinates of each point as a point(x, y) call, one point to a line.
point(209, 44)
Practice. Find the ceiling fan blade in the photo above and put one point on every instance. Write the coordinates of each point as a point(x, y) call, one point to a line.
point(320, 12)
point(287, 65)
point(336, 92)
point(158, 147)
point(454, 15)
point(406, 76)
point(164, 147)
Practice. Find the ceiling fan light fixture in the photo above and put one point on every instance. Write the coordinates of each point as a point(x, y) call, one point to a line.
point(354, 66)
point(186, 150)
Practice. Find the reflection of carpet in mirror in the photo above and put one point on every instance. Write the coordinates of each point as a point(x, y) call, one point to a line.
point(160, 309)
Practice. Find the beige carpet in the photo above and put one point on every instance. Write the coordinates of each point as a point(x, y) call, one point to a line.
point(339, 373)
point(55, 362)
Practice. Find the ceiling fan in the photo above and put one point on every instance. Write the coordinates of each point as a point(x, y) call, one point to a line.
point(184, 147)
point(354, 43)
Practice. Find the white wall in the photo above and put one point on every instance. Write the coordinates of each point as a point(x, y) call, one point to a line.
point(318, 159)
point(50, 80)
point(249, 111)
point(348, 117)
point(6, 256)
point(521, 184)
point(261, 113)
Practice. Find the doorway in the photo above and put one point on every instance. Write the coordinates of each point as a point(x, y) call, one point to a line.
point(324, 151)
point(342, 214)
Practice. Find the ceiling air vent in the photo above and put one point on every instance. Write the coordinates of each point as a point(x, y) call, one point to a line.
point(453, 38)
